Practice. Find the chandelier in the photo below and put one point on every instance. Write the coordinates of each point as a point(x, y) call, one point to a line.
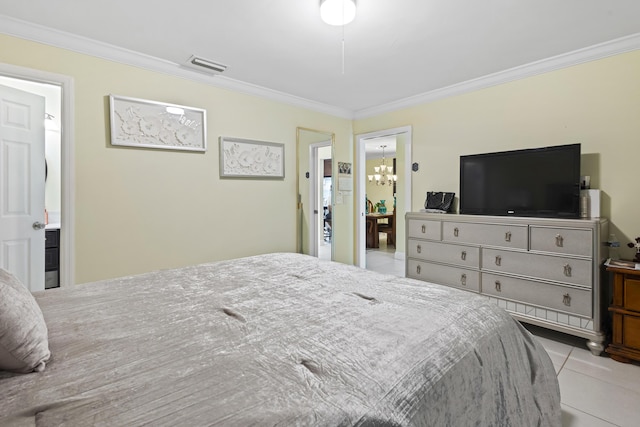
point(383, 174)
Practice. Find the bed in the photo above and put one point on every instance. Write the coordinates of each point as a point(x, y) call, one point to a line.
point(279, 339)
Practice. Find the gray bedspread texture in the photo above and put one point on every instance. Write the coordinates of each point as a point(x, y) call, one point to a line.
point(280, 339)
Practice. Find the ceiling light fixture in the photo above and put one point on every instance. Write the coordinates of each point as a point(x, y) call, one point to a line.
point(337, 12)
point(383, 174)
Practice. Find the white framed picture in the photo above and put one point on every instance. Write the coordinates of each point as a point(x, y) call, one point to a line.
point(150, 124)
point(246, 158)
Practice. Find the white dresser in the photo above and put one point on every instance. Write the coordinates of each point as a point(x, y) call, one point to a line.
point(546, 272)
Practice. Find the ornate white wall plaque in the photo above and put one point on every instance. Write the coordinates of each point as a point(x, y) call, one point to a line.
point(245, 158)
point(150, 124)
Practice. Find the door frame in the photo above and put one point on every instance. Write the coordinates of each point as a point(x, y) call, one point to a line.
point(67, 208)
point(314, 196)
point(361, 183)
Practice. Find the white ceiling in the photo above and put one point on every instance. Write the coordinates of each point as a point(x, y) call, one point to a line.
point(373, 147)
point(394, 49)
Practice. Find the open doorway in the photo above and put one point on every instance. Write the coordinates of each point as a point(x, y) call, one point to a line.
point(57, 91)
point(323, 196)
point(33, 259)
point(315, 193)
point(396, 196)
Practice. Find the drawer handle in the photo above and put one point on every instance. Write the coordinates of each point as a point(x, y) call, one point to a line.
point(498, 286)
point(424, 228)
point(456, 232)
point(419, 248)
point(566, 300)
point(559, 240)
point(463, 279)
point(463, 255)
point(507, 236)
point(567, 270)
point(418, 268)
point(498, 260)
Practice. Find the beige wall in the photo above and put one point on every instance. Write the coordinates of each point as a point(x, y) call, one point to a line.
point(138, 210)
point(596, 104)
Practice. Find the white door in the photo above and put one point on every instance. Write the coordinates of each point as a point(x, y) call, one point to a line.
point(22, 173)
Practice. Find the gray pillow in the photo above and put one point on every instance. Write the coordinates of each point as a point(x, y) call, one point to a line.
point(24, 345)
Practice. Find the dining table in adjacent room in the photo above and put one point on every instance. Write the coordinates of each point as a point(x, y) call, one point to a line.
point(371, 223)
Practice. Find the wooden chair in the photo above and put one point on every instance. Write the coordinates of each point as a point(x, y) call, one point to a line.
point(370, 237)
point(389, 229)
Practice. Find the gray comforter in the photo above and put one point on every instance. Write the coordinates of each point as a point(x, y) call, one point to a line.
point(280, 339)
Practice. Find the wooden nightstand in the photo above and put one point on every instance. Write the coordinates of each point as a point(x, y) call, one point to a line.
point(625, 311)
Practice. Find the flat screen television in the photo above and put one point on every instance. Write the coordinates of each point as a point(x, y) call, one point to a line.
point(538, 182)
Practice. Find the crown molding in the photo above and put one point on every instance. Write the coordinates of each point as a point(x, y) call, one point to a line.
point(49, 36)
point(64, 40)
point(591, 53)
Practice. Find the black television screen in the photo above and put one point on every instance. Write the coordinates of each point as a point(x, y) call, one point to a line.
point(540, 182)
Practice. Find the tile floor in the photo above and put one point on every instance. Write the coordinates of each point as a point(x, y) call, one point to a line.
point(596, 391)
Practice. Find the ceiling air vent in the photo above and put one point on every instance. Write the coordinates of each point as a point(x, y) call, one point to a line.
point(205, 65)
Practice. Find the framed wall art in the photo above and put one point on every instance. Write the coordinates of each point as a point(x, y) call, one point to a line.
point(245, 158)
point(149, 124)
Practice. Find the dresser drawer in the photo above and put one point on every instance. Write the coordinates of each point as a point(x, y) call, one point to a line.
point(466, 256)
point(508, 236)
point(632, 295)
point(631, 332)
point(52, 238)
point(444, 275)
point(556, 297)
point(550, 267)
point(51, 259)
point(561, 240)
point(425, 229)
